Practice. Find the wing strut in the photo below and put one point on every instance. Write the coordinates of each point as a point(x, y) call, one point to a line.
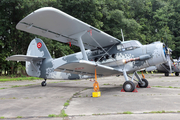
point(81, 45)
point(104, 50)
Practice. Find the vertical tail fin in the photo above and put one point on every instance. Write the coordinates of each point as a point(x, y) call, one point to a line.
point(38, 48)
point(38, 68)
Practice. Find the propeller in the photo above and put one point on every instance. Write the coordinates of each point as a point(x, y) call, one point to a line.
point(178, 61)
point(169, 51)
point(168, 54)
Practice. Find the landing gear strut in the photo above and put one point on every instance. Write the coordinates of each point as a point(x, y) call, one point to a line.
point(43, 83)
point(129, 86)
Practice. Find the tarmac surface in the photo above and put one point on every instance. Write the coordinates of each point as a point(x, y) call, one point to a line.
point(27, 100)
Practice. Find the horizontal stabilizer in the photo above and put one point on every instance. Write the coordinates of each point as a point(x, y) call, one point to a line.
point(24, 58)
point(84, 67)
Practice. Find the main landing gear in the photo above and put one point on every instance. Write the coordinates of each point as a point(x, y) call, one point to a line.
point(43, 83)
point(129, 86)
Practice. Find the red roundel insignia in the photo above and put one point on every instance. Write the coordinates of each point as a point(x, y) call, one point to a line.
point(39, 45)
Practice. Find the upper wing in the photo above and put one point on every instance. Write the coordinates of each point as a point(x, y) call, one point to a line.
point(24, 58)
point(55, 24)
point(87, 68)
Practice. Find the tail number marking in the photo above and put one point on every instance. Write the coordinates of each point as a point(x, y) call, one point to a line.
point(80, 68)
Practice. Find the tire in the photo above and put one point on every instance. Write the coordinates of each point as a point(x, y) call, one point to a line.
point(43, 83)
point(145, 83)
point(128, 86)
point(166, 74)
point(177, 74)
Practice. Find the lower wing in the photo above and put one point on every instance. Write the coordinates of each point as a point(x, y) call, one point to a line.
point(87, 68)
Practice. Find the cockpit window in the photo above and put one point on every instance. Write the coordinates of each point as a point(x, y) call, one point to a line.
point(129, 45)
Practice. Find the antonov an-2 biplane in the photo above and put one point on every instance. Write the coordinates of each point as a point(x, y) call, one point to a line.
point(100, 51)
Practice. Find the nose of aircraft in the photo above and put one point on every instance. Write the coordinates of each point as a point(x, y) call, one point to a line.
point(158, 52)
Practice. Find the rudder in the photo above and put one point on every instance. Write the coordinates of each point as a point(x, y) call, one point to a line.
point(38, 68)
point(38, 48)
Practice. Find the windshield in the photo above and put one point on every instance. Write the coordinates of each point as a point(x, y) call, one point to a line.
point(129, 45)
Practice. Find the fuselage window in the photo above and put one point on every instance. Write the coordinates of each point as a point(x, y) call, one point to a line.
point(120, 47)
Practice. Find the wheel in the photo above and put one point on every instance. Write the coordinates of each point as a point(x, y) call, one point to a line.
point(43, 83)
point(128, 86)
point(177, 74)
point(166, 74)
point(144, 83)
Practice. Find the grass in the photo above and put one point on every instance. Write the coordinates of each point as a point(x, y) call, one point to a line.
point(19, 116)
point(106, 84)
point(5, 79)
point(52, 115)
point(171, 87)
point(66, 104)
point(96, 114)
point(127, 112)
point(171, 111)
point(14, 86)
point(62, 114)
point(119, 113)
point(157, 111)
point(166, 87)
point(1, 117)
point(3, 88)
point(59, 82)
point(163, 111)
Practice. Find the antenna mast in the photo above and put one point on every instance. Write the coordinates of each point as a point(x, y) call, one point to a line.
point(122, 35)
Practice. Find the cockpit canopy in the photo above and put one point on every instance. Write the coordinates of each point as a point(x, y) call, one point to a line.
point(129, 45)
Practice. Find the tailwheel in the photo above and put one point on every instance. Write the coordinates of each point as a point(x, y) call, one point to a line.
point(43, 83)
point(128, 86)
point(144, 83)
point(166, 74)
point(177, 74)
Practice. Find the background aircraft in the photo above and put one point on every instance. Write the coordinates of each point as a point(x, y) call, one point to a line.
point(106, 54)
point(166, 68)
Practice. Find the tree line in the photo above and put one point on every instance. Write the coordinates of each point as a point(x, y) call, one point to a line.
point(143, 20)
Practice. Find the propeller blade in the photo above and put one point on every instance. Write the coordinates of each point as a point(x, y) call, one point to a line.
point(169, 62)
